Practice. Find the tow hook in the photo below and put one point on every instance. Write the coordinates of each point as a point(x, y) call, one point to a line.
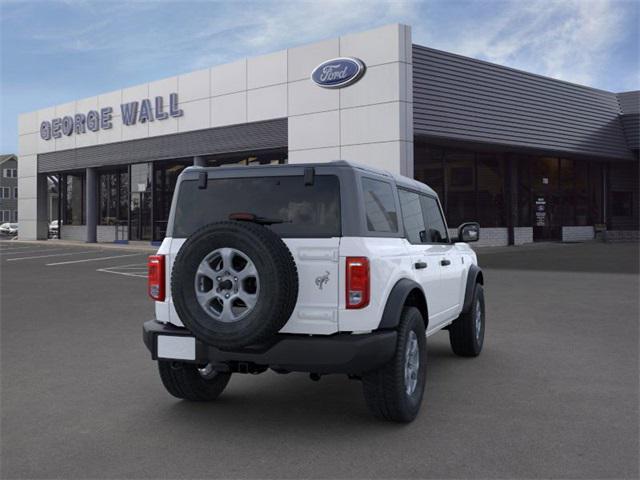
point(315, 377)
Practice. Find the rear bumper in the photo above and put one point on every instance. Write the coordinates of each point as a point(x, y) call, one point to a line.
point(341, 353)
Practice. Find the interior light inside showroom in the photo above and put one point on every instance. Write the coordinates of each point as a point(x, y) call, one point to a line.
point(530, 158)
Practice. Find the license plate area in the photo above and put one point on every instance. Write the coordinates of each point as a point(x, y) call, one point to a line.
point(174, 347)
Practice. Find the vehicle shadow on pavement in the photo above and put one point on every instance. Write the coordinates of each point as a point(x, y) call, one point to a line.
point(260, 403)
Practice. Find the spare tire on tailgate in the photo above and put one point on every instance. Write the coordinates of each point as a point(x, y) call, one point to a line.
point(234, 284)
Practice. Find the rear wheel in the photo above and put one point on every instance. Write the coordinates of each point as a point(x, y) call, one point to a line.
point(190, 382)
point(394, 392)
point(466, 333)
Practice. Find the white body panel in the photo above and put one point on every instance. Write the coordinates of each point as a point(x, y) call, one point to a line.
point(321, 263)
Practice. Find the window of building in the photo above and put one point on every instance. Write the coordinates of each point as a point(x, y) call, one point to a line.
point(380, 207)
point(491, 199)
point(622, 204)
point(429, 167)
point(15, 215)
point(5, 192)
point(523, 190)
point(113, 197)
point(460, 186)
point(73, 191)
point(10, 173)
point(6, 215)
point(436, 227)
point(412, 216)
point(165, 179)
point(15, 192)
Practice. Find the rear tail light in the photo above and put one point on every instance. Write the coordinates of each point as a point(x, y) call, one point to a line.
point(357, 282)
point(155, 279)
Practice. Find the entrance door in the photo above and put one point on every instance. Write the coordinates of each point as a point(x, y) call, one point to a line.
point(140, 220)
point(546, 200)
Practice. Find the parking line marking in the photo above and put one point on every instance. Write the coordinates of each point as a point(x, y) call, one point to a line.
point(91, 259)
point(106, 270)
point(46, 256)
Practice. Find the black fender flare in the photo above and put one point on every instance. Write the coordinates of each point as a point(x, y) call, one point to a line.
point(404, 292)
point(473, 277)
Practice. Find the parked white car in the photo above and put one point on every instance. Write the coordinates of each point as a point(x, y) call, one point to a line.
point(54, 229)
point(321, 268)
point(9, 229)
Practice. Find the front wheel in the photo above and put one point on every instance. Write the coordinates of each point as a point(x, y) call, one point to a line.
point(394, 392)
point(190, 382)
point(466, 333)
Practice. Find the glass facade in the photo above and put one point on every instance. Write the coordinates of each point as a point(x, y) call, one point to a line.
point(73, 199)
point(113, 197)
point(510, 189)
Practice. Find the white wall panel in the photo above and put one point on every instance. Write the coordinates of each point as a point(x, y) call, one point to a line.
point(387, 156)
point(163, 127)
point(306, 97)
point(131, 132)
point(229, 109)
point(196, 115)
point(28, 123)
point(314, 131)
point(380, 84)
point(371, 123)
point(27, 166)
point(316, 155)
point(267, 70)
point(28, 144)
point(113, 134)
point(229, 78)
point(131, 94)
point(111, 99)
point(194, 85)
point(162, 88)
point(266, 103)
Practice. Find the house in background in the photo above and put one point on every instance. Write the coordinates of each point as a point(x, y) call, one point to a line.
point(9, 188)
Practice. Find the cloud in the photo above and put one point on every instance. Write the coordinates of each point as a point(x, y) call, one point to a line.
point(569, 40)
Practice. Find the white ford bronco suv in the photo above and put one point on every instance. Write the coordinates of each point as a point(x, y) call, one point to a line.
point(319, 268)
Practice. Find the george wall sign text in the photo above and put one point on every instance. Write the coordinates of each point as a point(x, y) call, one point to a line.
point(94, 120)
point(338, 72)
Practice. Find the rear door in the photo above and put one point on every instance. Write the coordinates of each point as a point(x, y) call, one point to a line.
point(425, 258)
point(449, 261)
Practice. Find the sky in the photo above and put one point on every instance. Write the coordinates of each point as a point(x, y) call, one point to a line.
point(55, 51)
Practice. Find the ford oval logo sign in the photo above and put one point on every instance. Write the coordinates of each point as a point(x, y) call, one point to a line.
point(338, 73)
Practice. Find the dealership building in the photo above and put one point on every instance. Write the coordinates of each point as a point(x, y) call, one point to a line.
point(529, 157)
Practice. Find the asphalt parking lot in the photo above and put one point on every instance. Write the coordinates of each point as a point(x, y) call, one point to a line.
point(553, 395)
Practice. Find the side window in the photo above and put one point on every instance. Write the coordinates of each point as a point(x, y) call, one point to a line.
point(380, 206)
point(412, 216)
point(436, 230)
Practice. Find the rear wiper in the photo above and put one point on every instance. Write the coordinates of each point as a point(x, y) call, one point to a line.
point(252, 217)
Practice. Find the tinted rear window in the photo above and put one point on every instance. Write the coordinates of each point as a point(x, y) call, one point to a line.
point(306, 210)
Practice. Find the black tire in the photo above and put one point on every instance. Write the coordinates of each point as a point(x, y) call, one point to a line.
point(385, 389)
point(278, 285)
point(183, 380)
point(465, 337)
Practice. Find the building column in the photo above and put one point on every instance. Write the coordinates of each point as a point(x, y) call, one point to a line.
point(91, 197)
point(199, 162)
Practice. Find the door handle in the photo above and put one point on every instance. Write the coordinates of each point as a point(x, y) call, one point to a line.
point(420, 265)
point(445, 262)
